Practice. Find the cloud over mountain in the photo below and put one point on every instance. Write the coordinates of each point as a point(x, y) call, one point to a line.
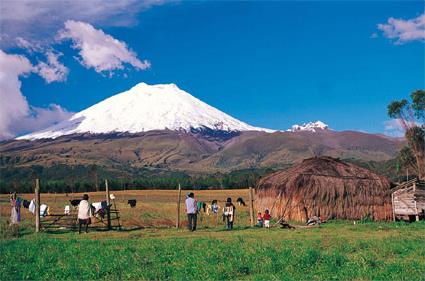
point(99, 50)
point(16, 115)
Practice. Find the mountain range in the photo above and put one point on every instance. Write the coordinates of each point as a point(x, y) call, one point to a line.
point(163, 127)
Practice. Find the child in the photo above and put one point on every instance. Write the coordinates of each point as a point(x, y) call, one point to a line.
point(259, 219)
point(266, 219)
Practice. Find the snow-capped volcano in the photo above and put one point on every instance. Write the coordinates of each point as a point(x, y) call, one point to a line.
point(144, 108)
point(310, 127)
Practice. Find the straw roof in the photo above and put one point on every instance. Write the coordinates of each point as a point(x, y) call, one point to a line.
point(326, 187)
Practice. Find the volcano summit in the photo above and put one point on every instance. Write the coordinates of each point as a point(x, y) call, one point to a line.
point(146, 108)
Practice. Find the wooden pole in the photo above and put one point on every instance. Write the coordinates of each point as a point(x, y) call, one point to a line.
point(178, 207)
point(392, 205)
point(251, 207)
point(416, 208)
point(108, 202)
point(37, 205)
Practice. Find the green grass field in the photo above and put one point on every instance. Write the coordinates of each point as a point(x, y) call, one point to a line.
point(337, 250)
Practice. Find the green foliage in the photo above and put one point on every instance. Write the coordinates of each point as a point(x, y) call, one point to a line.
point(396, 109)
point(406, 158)
point(336, 251)
point(416, 138)
point(418, 103)
point(406, 112)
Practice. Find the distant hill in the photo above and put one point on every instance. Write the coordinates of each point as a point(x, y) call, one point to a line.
point(162, 131)
point(197, 151)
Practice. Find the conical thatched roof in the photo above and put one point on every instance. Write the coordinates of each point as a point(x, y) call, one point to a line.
point(325, 187)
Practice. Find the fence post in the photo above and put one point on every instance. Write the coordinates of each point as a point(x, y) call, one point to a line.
point(178, 207)
point(251, 207)
point(37, 205)
point(108, 202)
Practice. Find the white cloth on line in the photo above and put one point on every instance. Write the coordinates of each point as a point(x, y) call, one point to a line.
point(67, 210)
point(97, 206)
point(31, 207)
point(43, 210)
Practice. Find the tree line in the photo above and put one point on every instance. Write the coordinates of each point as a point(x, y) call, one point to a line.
point(79, 178)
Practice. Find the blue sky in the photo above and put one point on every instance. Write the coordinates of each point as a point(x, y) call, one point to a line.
point(270, 64)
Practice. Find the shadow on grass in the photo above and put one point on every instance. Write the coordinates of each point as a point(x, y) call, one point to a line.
point(64, 231)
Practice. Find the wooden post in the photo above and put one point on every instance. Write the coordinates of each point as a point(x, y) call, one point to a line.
point(37, 205)
point(251, 207)
point(392, 205)
point(416, 207)
point(178, 207)
point(108, 202)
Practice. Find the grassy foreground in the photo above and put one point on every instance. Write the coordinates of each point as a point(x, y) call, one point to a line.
point(335, 251)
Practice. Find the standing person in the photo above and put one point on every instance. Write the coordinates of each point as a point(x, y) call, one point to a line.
point(229, 213)
point(15, 213)
point(266, 219)
point(84, 213)
point(259, 219)
point(191, 211)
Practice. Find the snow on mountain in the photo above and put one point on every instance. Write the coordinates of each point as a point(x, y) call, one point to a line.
point(144, 108)
point(310, 127)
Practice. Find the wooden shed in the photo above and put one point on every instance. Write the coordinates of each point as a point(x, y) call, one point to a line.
point(409, 201)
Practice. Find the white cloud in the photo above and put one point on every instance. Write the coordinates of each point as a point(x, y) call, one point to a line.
point(25, 44)
point(13, 105)
point(53, 70)
point(99, 50)
point(40, 118)
point(15, 112)
point(395, 128)
point(38, 20)
point(404, 30)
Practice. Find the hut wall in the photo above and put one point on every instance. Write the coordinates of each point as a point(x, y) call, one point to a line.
point(325, 187)
point(404, 202)
point(410, 200)
point(420, 200)
point(296, 209)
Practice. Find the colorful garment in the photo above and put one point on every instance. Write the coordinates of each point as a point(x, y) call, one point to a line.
point(15, 214)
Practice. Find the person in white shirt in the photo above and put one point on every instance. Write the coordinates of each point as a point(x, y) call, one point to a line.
point(84, 213)
point(191, 211)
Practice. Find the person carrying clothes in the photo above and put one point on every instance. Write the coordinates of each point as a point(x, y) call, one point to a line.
point(266, 219)
point(191, 211)
point(84, 213)
point(229, 213)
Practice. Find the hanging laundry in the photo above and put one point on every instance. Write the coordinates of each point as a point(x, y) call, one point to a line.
point(13, 212)
point(31, 207)
point(18, 208)
point(44, 210)
point(97, 206)
point(25, 204)
point(67, 210)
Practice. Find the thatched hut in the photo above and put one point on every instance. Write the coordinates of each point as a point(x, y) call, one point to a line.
point(325, 187)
